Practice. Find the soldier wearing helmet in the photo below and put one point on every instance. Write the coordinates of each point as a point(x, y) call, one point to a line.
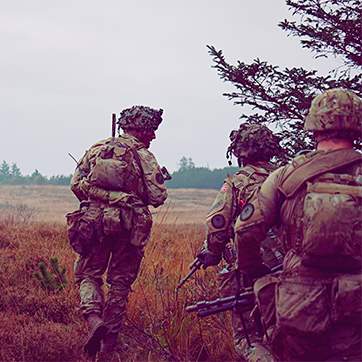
point(115, 181)
point(317, 201)
point(253, 145)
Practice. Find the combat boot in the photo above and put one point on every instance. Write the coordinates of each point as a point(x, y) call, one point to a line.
point(96, 333)
point(107, 352)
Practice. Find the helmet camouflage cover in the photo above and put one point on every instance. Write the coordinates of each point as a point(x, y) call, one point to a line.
point(335, 109)
point(253, 141)
point(140, 118)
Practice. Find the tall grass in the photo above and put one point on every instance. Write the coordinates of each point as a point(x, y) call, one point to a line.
point(37, 325)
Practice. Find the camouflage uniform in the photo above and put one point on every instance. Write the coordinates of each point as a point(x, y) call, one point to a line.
point(115, 181)
point(317, 201)
point(254, 145)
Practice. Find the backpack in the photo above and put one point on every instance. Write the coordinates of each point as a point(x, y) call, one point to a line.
point(115, 166)
point(331, 218)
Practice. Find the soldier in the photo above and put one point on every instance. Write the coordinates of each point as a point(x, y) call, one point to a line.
point(253, 145)
point(317, 201)
point(115, 181)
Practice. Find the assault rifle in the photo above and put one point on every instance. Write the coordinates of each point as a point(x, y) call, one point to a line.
point(243, 301)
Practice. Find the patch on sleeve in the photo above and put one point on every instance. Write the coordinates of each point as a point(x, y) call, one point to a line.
point(218, 221)
point(224, 188)
point(159, 178)
point(247, 212)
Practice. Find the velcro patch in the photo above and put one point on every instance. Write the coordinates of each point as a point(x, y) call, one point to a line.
point(218, 221)
point(247, 212)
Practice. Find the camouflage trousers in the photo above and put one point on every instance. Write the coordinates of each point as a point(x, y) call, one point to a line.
point(121, 260)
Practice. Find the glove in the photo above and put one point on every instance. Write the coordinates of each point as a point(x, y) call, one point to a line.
point(208, 258)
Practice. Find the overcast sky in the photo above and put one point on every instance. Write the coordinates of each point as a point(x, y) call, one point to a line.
point(67, 65)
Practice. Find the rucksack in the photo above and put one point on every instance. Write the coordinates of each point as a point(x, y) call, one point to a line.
point(115, 166)
point(331, 216)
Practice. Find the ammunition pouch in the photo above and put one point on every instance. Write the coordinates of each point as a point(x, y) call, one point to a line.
point(264, 290)
point(84, 228)
point(308, 306)
point(347, 298)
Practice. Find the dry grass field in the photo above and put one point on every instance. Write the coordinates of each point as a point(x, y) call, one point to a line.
point(38, 325)
point(50, 203)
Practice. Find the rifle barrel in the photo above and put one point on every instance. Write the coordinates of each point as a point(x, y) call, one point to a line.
point(194, 267)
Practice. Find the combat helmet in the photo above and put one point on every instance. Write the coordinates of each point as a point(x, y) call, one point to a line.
point(336, 109)
point(253, 141)
point(140, 118)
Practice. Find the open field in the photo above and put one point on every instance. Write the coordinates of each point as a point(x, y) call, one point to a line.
point(51, 203)
point(38, 325)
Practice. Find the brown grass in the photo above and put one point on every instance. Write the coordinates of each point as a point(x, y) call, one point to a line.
point(50, 203)
point(37, 325)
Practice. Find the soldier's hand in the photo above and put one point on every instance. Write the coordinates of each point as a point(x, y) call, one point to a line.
point(208, 258)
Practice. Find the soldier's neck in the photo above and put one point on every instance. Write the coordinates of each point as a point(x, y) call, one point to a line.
point(334, 144)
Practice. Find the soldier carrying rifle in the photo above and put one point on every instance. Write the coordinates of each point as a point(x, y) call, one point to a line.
point(315, 304)
point(115, 181)
point(254, 146)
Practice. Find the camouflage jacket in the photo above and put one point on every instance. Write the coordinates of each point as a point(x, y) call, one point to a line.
point(232, 196)
point(119, 172)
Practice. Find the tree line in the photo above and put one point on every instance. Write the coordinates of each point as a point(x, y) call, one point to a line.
point(10, 174)
point(188, 175)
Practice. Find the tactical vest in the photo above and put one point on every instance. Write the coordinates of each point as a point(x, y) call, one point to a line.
point(323, 210)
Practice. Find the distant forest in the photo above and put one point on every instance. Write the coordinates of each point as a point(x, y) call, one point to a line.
point(187, 176)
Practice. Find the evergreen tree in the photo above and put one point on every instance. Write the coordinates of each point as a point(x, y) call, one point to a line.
point(37, 178)
point(282, 96)
point(190, 163)
point(15, 174)
point(183, 163)
point(4, 172)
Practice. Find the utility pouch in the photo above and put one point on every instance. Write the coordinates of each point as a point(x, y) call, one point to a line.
point(302, 306)
point(142, 224)
point(347, 298)
point(112, 224)
point(264, 290)
point(109, 174)
point(84, 229)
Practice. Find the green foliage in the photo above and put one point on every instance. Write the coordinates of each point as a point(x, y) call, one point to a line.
point(186, 163)
point(13, 176)
point(281, 97)
point(328, 27)
point(51, 280)
point(190, 176)
point(4, 172)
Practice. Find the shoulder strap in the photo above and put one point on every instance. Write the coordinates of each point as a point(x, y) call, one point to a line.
point(316, 166)
point(139, 162)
